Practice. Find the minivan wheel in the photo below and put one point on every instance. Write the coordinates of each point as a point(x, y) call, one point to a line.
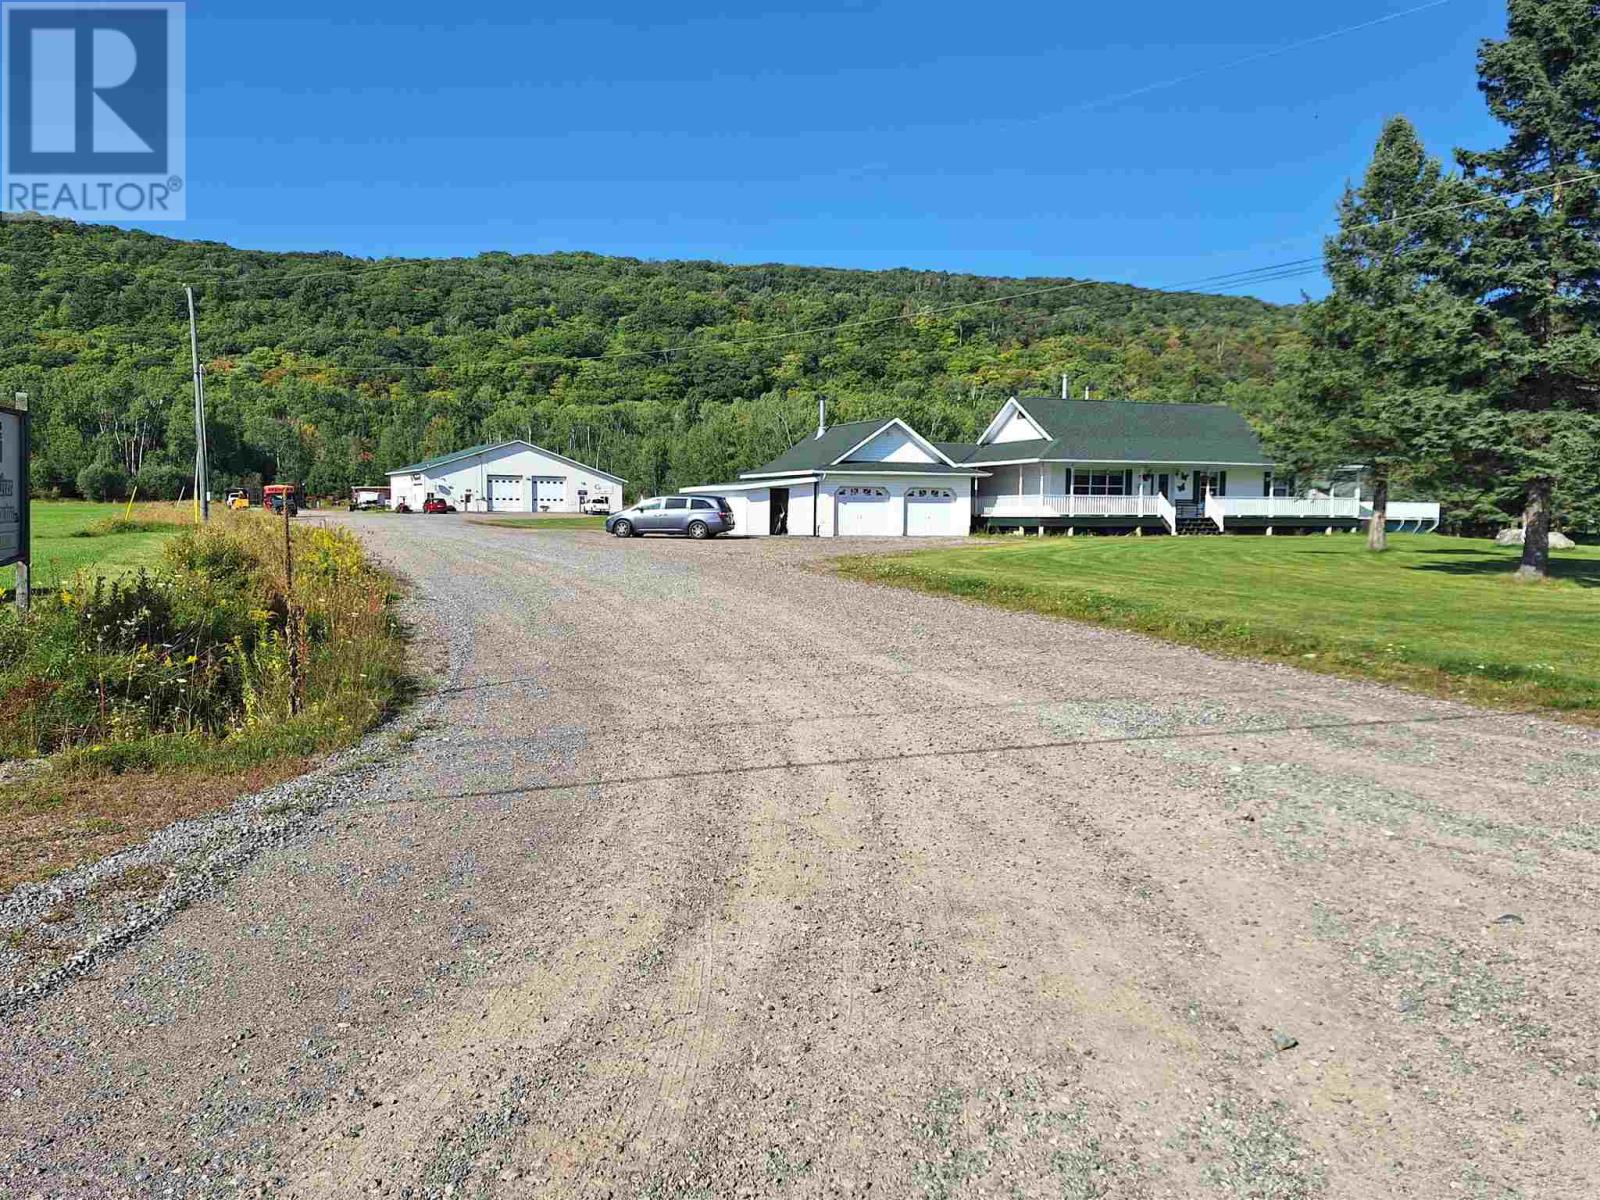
point(623, 529)
point(699, 530)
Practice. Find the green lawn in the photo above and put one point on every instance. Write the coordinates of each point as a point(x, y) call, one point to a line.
point(1439, 614)
point(545, 521)
point(57, 554)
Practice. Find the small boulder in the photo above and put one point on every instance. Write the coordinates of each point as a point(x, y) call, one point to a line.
point(1513, 537)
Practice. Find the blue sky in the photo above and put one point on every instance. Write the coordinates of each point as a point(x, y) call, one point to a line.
point(962, 137)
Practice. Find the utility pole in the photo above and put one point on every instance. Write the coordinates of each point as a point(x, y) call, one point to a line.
point(202, 481)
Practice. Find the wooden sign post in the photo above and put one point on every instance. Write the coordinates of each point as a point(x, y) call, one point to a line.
point(14, 534)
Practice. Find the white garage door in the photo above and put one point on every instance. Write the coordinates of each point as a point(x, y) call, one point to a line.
point(865, 512)
point(505, 493)
point(550, 492)
point(930, 512)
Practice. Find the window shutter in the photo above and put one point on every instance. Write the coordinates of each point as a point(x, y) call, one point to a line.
point(1222, 483)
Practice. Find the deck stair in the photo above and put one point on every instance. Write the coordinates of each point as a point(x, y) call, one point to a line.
point(1196, 527)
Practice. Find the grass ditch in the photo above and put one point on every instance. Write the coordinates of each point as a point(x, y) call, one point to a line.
point(163, 694)
point(1437, 615)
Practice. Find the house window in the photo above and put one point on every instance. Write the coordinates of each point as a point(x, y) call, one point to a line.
point(1278, 485)
point(1102, 483)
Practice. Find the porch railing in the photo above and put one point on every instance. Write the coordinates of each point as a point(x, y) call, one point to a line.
point(1287, 507)
point(1072, 506)
point(1167, 513)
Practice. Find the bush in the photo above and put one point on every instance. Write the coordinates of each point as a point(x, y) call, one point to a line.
point(203, 649)
point(103, 481)
point(162, 481)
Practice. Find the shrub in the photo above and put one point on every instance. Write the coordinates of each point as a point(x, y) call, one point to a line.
point(162, 481)
point(202, 649)
point(103, 481)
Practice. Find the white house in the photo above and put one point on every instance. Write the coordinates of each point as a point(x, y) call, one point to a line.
point(1041, 464)
point(514, 476)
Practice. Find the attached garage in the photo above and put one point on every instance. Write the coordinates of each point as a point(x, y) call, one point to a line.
point(931, 512)
point(866, 511)
point(861, 479)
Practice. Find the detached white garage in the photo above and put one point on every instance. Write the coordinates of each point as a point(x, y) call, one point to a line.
point(514, 476)
point(861, 479)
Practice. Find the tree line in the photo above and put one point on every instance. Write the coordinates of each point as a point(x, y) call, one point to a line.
point(1459, 350)
point(1455, 357)
point(328, 371)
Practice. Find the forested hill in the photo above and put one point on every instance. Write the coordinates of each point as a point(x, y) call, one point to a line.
point(328, 370)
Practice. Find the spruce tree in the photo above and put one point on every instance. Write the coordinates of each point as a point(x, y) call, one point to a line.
point(1533, 264)
point(1375, 383)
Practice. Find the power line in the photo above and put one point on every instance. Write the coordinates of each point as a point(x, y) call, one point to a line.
point(1259, 56)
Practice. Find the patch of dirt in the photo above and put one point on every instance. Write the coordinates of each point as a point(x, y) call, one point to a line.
point(50, 824)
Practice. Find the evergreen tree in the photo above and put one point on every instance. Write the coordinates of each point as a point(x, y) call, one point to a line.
point(1534, 259)
point(1374, 384)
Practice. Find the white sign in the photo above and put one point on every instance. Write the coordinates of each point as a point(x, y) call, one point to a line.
point(11, 497)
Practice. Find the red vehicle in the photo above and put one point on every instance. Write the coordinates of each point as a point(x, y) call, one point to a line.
point(276, 496)
point(435, 505)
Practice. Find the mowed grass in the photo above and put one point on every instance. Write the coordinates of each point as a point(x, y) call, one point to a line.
point(63, 548)
point(545, 521)
point(1438, 614)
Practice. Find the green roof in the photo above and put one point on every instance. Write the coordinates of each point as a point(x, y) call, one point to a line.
point(817, 452)
point(1128, 431)
point(429, 463)
point(823, 454)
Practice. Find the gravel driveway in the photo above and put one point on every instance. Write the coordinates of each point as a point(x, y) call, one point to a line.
point(712, 875)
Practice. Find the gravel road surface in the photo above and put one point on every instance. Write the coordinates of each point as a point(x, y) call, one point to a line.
point(711, 875)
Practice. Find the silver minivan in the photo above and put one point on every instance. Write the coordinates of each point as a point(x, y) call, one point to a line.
point(688, 516)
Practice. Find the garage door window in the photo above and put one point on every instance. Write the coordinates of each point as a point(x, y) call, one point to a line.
point(864, 493)
point(931, 494)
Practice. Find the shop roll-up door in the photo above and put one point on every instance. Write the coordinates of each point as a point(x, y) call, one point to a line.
point(550, 491)
point(505, 493)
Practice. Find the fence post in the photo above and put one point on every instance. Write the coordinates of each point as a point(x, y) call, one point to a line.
point(289, 623)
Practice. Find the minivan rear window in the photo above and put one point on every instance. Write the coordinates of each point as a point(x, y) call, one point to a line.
point(702, 504)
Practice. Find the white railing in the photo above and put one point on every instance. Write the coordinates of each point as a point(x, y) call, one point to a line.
point(1287, 507)
point(1421, 515)
point(1168, 514)
point(1072, 506)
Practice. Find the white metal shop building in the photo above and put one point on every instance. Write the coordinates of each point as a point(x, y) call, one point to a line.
point(514, 476)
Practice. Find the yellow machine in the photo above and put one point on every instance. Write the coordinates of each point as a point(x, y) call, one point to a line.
point(238, 500)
